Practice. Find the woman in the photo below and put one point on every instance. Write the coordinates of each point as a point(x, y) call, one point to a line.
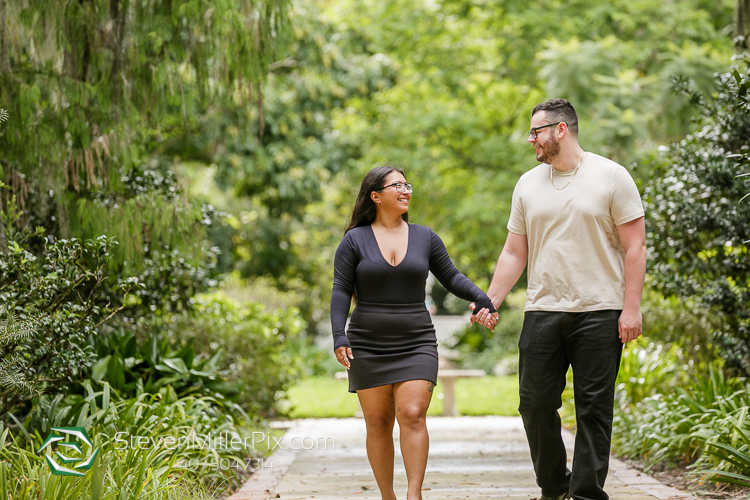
point(390, 348)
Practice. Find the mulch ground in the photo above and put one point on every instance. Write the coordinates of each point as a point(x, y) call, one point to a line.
point(685, 479)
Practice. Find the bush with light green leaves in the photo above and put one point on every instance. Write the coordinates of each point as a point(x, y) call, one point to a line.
point(152, 447)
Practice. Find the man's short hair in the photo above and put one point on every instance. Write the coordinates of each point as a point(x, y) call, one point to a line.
point(559, 110)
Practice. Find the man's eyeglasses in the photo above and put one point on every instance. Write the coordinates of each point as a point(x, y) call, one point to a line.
point(400, 187)
point(534, 132)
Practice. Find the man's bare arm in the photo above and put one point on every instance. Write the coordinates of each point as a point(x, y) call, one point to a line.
point(633, 238)
point(510, 266)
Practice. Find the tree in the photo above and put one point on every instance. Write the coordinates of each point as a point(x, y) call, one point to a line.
point(102, 96)
point(742, 26)
point(698, 227)
point(469, 73)
point(98, 90)
point(50, 306)
point(267, 182)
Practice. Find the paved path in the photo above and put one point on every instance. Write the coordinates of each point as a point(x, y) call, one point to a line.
point(470, 458)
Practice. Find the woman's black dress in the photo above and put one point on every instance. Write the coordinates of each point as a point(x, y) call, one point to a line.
point(391, 332)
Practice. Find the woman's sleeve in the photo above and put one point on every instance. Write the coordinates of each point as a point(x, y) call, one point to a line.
point(451, 279)
point(344, 276)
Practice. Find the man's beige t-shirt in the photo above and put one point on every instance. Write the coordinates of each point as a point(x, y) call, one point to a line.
point(575, 256)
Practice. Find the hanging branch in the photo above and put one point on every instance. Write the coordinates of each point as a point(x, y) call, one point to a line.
point(4, 62)
point(742, 26)
point(83, 159)
point(259, 49)
point(261, 123)
point(117, 14)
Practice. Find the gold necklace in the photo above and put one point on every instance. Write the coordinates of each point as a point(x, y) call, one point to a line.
point(551, 168)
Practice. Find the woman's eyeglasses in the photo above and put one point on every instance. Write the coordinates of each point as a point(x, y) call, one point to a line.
point(400, 187)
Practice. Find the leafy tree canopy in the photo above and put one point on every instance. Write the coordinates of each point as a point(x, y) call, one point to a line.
point(468, 73)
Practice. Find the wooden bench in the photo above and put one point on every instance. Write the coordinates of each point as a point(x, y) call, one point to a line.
point(447, 378)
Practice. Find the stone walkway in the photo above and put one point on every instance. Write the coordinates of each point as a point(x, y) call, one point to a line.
point(470, 458)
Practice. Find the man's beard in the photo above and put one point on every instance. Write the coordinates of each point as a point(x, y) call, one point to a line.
point(550, 151)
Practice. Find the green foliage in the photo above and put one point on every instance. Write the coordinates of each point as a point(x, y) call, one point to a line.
point(148, 213)
point(458, 115)
point(255, 359)
point(276, 176)
point(125, 470)
point(99, 92)
point(665, 413)
point(283, 169)
point(312, 359)
point(191, 492)
point(697, 229)
point(483, 349)
point(617, 71)
point(643, 371)
point(737, 457)
point(151, 366)
point(14, 331)
point(678, 426)
point(462, 78)
point(680, 322)
point(52, 304)
point(161, 235)
point(100, 89)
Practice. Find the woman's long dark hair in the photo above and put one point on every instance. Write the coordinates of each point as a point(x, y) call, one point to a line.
point(365, 211)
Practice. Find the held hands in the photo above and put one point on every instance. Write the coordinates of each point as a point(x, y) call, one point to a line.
point(343, 355)
point(483, 317)
point(630, 325)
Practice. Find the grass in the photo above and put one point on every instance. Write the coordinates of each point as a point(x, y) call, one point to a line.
point(322, 397)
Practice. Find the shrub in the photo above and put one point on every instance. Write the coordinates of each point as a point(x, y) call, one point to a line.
point(647, 368)
point(698, 228)
point(677, 426)
point(61, 295)
point(125, 471)
point(737, 455)
point(131, 368)
point(682, 322)
point(256, 359)
point(483, 349)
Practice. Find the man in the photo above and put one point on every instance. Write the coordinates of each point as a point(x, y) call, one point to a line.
point(577, 220)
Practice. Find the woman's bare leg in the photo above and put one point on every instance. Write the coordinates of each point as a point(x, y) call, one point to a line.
point(412, 399)
point(379, 411)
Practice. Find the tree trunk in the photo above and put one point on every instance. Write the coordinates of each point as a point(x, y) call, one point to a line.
point(4, 62)
point(742, 26)
point(118, 10)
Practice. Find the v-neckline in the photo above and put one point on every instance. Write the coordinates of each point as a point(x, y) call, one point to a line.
point(408, 237)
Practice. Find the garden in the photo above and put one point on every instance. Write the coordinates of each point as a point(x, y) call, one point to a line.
point(175, 177)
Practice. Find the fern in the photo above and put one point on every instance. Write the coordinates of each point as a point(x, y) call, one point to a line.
point(13, 329)
point(12, 378)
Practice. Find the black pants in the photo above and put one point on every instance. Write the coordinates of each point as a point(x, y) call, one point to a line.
point(550, 343)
